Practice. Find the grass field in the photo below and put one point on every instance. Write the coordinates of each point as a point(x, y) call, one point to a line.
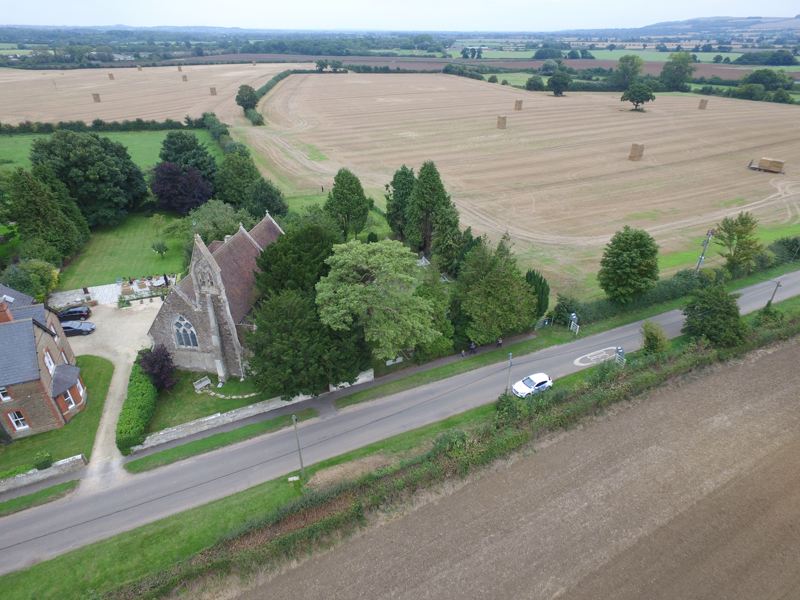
point(123, 251)
point(143, 146)
point(77, 437)
point(41, 497)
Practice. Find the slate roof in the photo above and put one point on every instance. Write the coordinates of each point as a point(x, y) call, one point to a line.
point(212, 247)
point(237, 263)
point(266, 231)
point(64, 377)
point(36, 312)
point(18, 361)
point(14, 298)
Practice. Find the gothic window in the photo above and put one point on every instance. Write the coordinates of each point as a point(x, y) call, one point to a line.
point(185, 335)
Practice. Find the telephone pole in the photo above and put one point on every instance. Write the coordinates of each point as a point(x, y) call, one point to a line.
point(299, 451)
point(709, 235)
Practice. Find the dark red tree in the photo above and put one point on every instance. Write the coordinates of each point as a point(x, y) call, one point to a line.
point(178, 188)
point(158, 365)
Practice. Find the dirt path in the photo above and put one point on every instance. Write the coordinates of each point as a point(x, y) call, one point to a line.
point(691, 493)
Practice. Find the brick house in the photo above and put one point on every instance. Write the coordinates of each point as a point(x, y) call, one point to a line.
point(40, 386)
point(204, 317)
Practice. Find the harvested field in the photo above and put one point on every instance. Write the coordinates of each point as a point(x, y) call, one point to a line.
point(557, 178)
point(152, 93)
point(691, 493)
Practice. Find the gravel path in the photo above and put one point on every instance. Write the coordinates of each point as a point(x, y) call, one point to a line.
point(691, 493)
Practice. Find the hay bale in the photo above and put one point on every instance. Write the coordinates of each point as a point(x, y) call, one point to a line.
point(637, 152)
point(111, 76)
point(96, 97)
point(184, 78)
point(517, 104)
point(180, 68)
point(501, 122)
point(703, 104)
point(138, 67)
point(213, 91)
point(773, 165)
point(254, 63)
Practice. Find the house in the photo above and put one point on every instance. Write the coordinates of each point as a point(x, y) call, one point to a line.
point(40, 386)
point(203, 319)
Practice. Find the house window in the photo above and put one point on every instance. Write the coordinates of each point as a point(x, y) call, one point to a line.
point(185, 335)
point(4, 395)
point(64, 358)
point(80, 389)
point(48, 361)
point(55, 335)
point(17, 420)
point(68, 400)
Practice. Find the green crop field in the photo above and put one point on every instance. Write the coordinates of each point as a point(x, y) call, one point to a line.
point(143, 147)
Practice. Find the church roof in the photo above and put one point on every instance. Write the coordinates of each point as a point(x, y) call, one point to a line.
point(266, 231)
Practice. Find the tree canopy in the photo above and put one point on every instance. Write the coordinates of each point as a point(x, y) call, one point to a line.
point(628, 69)
point(431, 216)
point(347, 203)
point(677, 71)
point(637, 94)
point(740, 246)
point(559, 83)
point(398, 193)
point(629, 266)
point(246, 97)
point(179, 188)
point(535, 84)
point(236, 177)
point(215, 219)
point(184, 149)
point(34, 277)
point(714, 314)
point(264, 196)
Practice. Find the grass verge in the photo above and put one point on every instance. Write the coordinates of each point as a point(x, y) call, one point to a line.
point(35, 499)
point(212, 442)
point(77, 437)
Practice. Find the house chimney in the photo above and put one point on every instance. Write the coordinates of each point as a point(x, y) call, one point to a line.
point(227, 237)
point(5, 312)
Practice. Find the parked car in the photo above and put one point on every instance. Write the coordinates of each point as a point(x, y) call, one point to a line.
point(76, 313)
point(77, 328)
point(532, 384)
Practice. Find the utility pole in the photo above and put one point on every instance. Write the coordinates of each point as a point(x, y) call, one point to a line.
point(709, 235)
point(299, 451)
point(508, 380)
point(775, 291)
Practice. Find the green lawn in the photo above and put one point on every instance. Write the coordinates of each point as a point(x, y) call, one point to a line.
point(123, 251)
point(78, 435)
point(518, 79)
point(143, 147)
point(41, 497)
point(212, 442)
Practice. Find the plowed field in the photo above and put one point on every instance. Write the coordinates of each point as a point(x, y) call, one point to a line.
point(557, 179)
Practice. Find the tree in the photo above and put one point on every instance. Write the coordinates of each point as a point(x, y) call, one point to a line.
point(573, 54)
point(549, 67)
point(713, 313)
point(294, 353)
point(677, 71)
point(545, 53)
point(638, 94)
point(541, 289)
point(430, 212)
point(534, 84)
point(718, 59)
point(492, 79)
point(629, 266)
point(246, 97)
point(265, 197)
point(629, 68)
point(771, 80)
point(372, 286)
point(397, 195)
point(322, 65)
point(99, 174)
point(184, 149)
point(737, 238)
point(465, 52)
point(347, 203)
point(215, 219)
point(296, 260)
point(34, 277)
point(438, 294)
point(179, 189)
point(654, 338)
point(158, 365)
point(559, 83)
point(493, 295)
point(236, 177)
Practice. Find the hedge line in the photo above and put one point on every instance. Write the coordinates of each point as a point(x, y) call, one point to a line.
point(140, 404)
point(99, 125)
point(255, 117)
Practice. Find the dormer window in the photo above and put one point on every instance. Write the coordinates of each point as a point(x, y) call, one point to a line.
point(4, 395)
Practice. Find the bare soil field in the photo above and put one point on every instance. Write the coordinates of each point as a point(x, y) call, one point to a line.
point(152, 93)
point(558, 178)
point(692, 492)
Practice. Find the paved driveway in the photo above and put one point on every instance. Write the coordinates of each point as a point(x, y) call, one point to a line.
point(120, 334)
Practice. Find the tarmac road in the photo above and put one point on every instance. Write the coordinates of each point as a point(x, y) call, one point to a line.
point(44, 532)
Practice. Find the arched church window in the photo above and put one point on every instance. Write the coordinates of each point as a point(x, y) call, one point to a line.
point(185, 335)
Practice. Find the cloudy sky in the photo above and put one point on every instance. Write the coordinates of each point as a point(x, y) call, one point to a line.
point(442, 15)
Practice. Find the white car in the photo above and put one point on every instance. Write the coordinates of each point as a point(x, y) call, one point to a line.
point(532, 384)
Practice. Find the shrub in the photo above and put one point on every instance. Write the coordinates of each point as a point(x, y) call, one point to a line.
point(158, 365)
point(713, 313)
point(534, 84)
point(138, 409)
point(655, 339)
point(492, 79)
point(255, 117)
point(786, 249)
point(42, 460)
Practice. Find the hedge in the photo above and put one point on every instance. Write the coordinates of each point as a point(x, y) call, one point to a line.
point(255, 117)
point(100, 125)
point(140, 404)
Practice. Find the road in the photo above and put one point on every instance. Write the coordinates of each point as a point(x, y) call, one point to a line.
point(52, 529)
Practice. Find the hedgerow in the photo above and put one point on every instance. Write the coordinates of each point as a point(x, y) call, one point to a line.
point(138, 409)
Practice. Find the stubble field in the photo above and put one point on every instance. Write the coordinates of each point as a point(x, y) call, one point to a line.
point(557, 179)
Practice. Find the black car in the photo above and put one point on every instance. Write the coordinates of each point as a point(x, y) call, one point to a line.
point(76, 313)
point(77, 328)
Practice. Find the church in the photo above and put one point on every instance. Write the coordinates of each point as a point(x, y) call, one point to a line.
point(204, 317)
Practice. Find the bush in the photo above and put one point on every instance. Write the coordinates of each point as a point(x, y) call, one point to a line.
point(255, 117)
point(140, 404)
point(655, 339)
point(42, 460)
point(158, 365)
point(34, 277)
point(534, 84)
point(786, 249)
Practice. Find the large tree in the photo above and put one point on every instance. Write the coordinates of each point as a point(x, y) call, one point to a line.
point(294, 353)
point(179, 188)
point(740, 246)
point(493, 295)
point(34, 277)
point(184, 149)
point(438, 294)
point(628, 69)
point(347, 203)
point(430, 212)
point(246, 97)
point(398, 193)
point(541, 289)
point(637, 94)
point(559, 83)
point(372, 286)
point(629, 266)
point(98, 173)
point(214, 220)
point(236, 177)
point(677, 71)
point(714, 314)
point(264, 196)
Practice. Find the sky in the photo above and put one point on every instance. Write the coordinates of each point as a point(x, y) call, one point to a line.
point(397, 15)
